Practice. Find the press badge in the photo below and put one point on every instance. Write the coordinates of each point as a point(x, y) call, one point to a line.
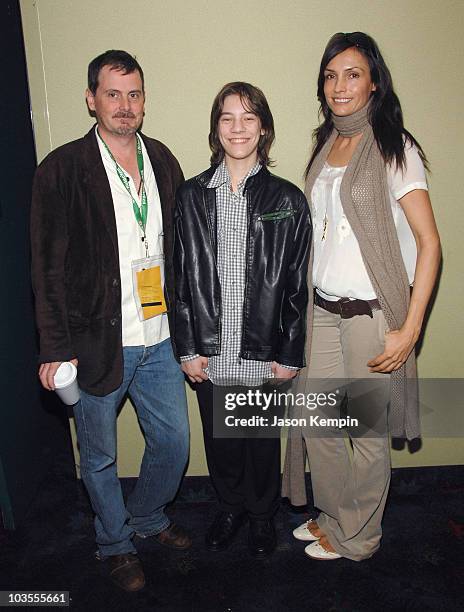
point(148, 286)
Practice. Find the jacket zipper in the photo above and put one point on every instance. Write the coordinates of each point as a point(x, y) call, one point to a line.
point(246, 270)
point(215, 259)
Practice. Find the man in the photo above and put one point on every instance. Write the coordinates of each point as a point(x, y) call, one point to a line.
point(241, 254)
point(101, 219)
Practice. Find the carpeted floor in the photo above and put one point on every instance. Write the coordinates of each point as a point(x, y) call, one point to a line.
point(419, 566)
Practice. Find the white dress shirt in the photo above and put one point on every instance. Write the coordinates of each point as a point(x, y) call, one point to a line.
point(135, 332)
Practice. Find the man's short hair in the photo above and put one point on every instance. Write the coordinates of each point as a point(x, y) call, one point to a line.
point(253, 100)
point(117, 60)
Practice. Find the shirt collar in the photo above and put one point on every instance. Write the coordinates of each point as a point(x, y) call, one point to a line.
point(221, 176)
point(107, 156)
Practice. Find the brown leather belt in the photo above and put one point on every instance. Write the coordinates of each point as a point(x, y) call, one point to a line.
point(347, 308)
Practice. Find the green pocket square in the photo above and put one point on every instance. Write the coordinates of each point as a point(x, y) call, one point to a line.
point(277, 215)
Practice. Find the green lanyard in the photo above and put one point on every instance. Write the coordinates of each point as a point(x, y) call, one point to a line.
point(140, 212)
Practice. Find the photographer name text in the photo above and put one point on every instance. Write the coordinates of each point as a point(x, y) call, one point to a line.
point(312, 421)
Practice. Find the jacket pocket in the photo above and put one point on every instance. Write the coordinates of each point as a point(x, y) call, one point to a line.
point(277, 215)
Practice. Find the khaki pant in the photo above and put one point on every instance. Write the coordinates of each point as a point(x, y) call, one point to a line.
point(350, 474)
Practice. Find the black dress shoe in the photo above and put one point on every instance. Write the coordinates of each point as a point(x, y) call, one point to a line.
point(222, 531)
point(261, 538)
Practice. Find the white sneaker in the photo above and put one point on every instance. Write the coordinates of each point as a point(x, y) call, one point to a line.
point(302, 532)
point(318, 552)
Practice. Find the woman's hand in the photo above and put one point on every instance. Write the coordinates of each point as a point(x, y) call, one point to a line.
point(398, 346)
point(195, 369)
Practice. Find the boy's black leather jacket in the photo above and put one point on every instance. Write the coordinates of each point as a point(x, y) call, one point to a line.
point(276, 294)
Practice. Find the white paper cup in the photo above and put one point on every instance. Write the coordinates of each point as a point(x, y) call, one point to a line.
point(66, 383)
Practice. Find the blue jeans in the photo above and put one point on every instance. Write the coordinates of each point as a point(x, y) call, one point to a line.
point(156, 386)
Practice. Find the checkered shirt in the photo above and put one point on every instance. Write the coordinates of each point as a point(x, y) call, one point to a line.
point(228, 368)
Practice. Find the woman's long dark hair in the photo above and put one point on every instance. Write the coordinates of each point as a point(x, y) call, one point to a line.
point(385, 117)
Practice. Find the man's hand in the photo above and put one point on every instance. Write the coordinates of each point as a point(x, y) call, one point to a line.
point(194, 368)
point(281, 372)
point(398, 345)
point(47, 372)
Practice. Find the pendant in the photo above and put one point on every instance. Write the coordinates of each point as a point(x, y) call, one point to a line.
point(324, 228)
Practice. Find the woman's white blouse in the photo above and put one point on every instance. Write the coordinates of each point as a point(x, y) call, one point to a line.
point(338, 268)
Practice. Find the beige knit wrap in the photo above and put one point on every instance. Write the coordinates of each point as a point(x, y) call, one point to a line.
point(365, 199)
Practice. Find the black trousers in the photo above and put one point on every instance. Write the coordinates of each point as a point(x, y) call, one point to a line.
point(245, 472)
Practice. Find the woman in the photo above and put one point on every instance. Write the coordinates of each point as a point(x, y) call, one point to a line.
point(374, 264)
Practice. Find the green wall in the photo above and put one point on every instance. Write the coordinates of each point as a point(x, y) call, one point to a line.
point(189, 49)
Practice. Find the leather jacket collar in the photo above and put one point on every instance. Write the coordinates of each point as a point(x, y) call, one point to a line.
point(205, 177)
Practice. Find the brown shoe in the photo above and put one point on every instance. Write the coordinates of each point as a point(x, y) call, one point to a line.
point(126, 572)
point(174, 537)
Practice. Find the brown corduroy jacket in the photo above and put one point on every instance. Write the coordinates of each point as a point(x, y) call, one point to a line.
point(75, 258)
